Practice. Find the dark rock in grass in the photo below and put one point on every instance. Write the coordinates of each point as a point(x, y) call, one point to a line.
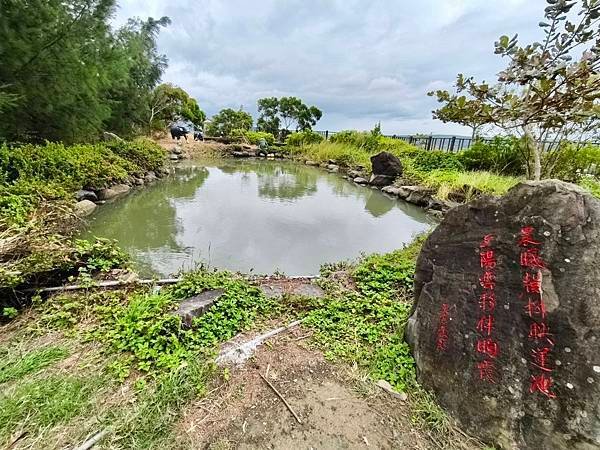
point(85, 195)
point(380, 180)
point(506, 324)
point(84, 208)
point(385, 163)
point(196, 306)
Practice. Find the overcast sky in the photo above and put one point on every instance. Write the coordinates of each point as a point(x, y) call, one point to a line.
point(360, 62)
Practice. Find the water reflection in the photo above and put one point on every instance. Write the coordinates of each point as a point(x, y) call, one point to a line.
point(262, 215)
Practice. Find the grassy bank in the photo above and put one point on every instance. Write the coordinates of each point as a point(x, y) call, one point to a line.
point(75, 364)
point(442, 172)
point(486, 168)
point(37, 219)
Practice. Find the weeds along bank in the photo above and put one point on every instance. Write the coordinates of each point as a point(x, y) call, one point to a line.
point(485, 168)
point(132, 368)
point(37, 197)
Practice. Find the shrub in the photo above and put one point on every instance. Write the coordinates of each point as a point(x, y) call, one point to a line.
point(570, 163)
point(255, 136)
point(368, 141)
point(591, 185)
point(146, 154)
point(302, 138)
point(502, 155)
point(428, 160)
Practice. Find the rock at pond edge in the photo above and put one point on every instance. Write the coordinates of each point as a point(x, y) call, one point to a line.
point(566, 223)
point(195, 306)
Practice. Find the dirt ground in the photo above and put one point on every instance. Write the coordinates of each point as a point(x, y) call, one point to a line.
point(190, 147)
point(336, 408)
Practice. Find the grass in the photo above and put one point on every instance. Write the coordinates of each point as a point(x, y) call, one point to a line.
point(41, 403)
point(14, 366)
point(342, 153)
point(468, 183)
point(436, 170)
point(365, 327)
point(592, 185)
point(149, 424)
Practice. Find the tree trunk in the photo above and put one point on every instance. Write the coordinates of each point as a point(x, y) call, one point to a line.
point(535, 153)
point(537, 162)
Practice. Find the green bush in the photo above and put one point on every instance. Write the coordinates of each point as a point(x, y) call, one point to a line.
point(428, 160)
point(368, 141)
point(146, 154)
point(590, 184)
point(302, 138)
point(502, 155)
point(254, 137)
point(570, 163)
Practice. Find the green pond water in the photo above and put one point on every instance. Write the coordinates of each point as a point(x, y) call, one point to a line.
point(260, 216)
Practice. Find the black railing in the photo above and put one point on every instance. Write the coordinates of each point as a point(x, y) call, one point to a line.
point(447, 143)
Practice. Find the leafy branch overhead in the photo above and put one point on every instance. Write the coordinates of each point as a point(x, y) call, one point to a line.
point(549, 90)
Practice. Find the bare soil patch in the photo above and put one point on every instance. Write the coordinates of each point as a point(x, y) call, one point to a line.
point(338, 410)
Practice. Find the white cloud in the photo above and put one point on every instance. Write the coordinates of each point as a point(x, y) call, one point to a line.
point(360, 61)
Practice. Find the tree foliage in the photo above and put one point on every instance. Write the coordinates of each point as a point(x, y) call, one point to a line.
point(169, 103)
point(289, 112)
point(549, 90)
point(228, 120)
point(66, 75)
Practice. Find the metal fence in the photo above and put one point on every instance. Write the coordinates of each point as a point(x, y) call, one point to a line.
point(446, 143)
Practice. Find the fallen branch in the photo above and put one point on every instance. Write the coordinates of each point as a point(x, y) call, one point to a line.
point(109, 284)
point(282, 399)
point(102, 284)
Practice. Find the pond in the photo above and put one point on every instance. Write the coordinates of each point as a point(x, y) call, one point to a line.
point(254, 216)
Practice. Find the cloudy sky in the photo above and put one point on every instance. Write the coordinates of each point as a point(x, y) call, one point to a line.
point(360, 61)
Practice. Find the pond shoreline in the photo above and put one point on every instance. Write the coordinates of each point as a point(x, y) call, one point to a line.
point(253, 216)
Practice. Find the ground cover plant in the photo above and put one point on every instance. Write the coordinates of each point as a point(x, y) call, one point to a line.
point(37, 223)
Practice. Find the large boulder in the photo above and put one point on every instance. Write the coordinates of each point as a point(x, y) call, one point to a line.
point(506, 325)
point(385, 163)
point(84, 208)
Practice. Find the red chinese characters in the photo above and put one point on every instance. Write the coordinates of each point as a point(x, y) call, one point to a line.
point(441, 342)
point(539, 333)
point(486, 346)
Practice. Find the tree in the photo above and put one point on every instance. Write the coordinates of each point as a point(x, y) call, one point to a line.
point(290, 112)
point(138, 67)
point(170, 103)
point(461, 110)
point(227, 120)
point(545, 95)
point(268, 120)
point(66, 75)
